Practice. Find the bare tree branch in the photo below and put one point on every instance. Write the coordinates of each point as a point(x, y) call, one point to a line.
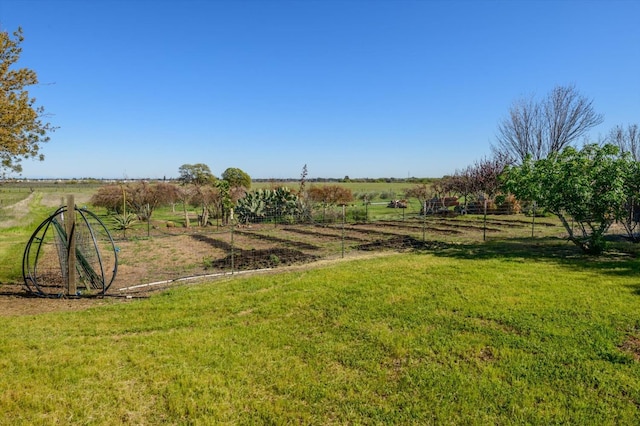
point(540, 128)
point(628, 140)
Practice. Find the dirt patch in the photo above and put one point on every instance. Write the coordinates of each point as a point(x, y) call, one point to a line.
point(260, 259)
point(16, 301)
point(486, 354)
point(327, 235)
point(402, 243)
point(631, 345)
point(270, 238)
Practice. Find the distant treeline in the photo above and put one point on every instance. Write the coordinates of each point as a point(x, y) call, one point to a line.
point(356, 180)
point(263, 180)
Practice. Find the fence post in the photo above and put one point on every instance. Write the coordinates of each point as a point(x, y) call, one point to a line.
point(484, 226)
point(275, 219)
point(344, 218)
point(366, 210)
point(533, 220)
point(232, 251)
point(70, 228)
point(424, 222)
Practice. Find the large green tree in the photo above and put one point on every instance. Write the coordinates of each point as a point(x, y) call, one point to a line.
point(22, 128)
point(590, 187)
point(237, 178)
point(197, 174)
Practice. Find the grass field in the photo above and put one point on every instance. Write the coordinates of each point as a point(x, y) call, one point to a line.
point(483, 334)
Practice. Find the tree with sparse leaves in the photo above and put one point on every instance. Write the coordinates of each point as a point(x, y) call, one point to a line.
point(141, 198)
point(539, 128)
point(330, 195)
point(22, 126)
point(627, 139)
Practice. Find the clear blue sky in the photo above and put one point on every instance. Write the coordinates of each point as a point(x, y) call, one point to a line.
point(359, 88)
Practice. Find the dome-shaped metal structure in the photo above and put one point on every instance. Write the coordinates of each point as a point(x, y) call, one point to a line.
point(46, 262)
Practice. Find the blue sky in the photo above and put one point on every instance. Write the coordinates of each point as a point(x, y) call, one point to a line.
point(359, 88)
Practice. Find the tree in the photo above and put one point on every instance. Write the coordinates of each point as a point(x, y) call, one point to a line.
point(422, 192)
point(22, 129)
point(208, 198)
point(197, 174)
point(330, 195)
point(144, 198)
point(590, 187)
point(237, 178)
point(484, 177)
point(476, 184)
point(627, 140)
point(141, 198)
point(111, 197)
point(427, 195)
point(184, 194)
point(461, 184)
point(538, 129)
point(631, 221)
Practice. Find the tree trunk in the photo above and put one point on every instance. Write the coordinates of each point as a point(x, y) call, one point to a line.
point(186, 215)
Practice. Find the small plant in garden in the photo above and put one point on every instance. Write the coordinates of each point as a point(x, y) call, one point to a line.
point(357, 215)
point(124, 221)
point(274, 259)
point(207, 263)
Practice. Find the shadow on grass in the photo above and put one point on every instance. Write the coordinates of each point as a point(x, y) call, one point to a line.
point(619, 259)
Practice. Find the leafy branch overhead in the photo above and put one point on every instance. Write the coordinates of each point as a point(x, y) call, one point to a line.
point(22, 128)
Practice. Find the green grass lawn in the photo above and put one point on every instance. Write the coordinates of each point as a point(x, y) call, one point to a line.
point(14, 238)
point(483, 334)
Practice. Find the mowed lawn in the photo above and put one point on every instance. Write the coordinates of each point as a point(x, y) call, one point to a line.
point(476, 335)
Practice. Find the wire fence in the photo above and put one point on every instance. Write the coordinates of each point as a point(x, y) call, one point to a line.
point(165, 251)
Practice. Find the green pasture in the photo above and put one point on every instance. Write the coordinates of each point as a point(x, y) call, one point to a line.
point(12, 195)
point(477, 334)
point(14, 237)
